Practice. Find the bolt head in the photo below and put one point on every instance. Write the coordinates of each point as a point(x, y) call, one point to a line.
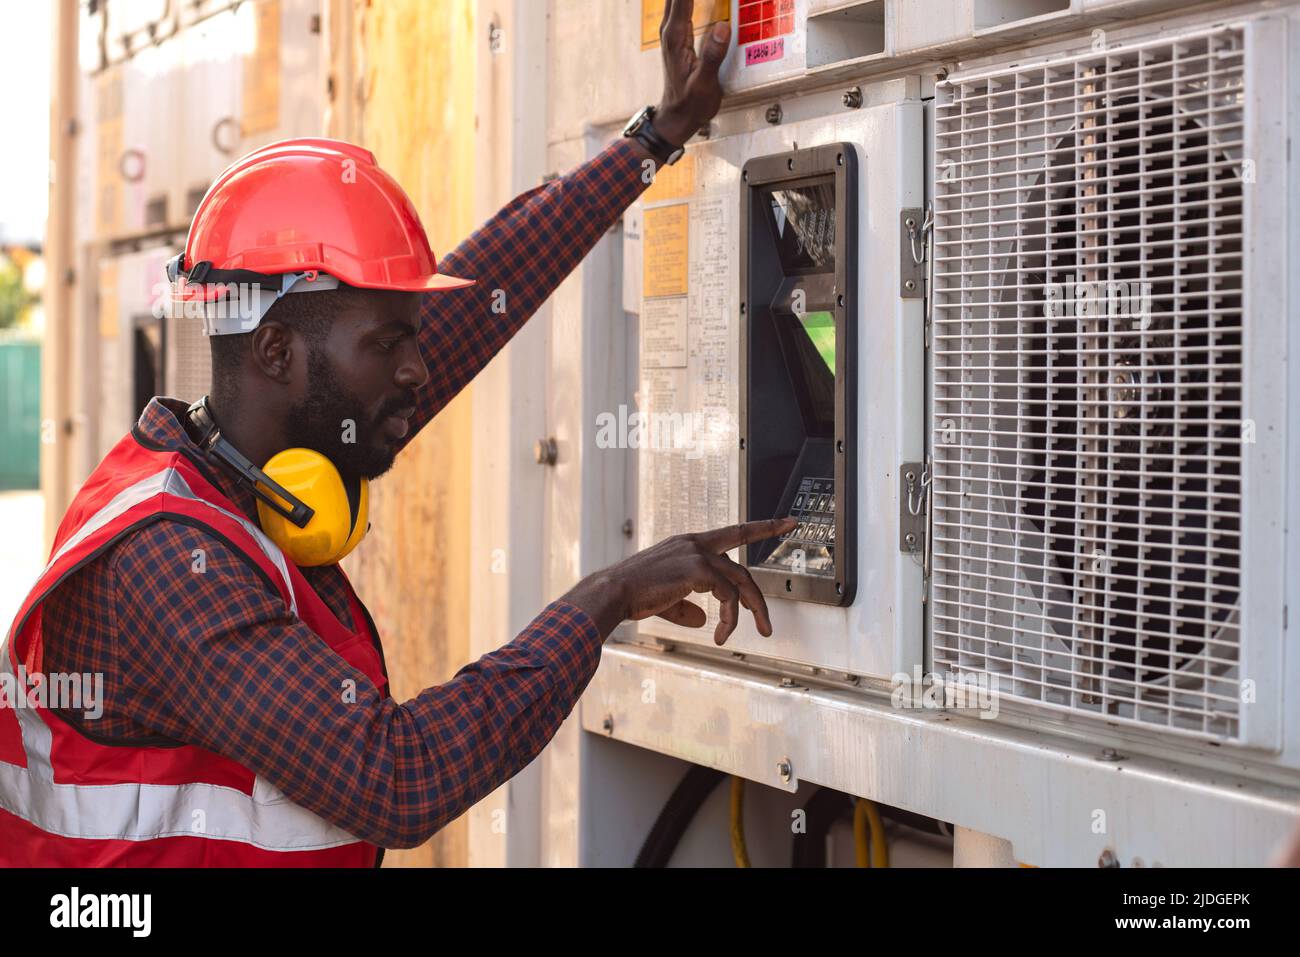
point(546, 451)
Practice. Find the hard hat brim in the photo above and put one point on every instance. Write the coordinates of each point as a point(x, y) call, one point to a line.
point(440, 281)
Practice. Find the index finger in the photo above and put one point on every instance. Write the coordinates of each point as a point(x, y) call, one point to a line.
point(724, 539)
point(668, 12)
point(674, 11)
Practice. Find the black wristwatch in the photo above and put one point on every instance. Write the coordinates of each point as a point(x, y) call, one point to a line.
point(641, 128)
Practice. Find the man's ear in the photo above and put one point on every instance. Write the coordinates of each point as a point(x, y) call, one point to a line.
point(272, 348)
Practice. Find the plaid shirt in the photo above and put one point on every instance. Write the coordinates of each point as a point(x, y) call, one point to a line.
point(219, 661)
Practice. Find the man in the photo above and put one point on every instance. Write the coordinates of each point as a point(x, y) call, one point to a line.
point(246, 719)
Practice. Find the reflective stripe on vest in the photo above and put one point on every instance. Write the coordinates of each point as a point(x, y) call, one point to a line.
point(143, 812)
point(171, 482)
point(133, 811)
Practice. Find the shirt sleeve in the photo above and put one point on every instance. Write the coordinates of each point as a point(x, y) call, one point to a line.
point(217, 659)
point(518, 258)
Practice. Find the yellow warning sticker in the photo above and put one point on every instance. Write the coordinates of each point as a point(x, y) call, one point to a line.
point(673, 182)
point(664, 260)
point(706, 14)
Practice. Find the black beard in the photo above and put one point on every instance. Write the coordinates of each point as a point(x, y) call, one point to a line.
point(318, 422)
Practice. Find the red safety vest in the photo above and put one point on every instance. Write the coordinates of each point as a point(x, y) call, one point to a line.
point(69, 801)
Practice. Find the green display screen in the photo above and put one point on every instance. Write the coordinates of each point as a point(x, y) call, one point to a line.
point(820, 329)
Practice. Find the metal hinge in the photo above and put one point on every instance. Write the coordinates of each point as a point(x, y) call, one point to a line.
point(914, 233)
point(914, 511)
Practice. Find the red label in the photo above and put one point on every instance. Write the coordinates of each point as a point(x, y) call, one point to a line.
point(764, 20)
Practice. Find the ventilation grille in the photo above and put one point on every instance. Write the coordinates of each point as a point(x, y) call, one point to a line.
point(1087, 347)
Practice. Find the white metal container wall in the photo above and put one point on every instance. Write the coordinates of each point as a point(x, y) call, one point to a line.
point(211, 82)
point(191, 11)
point(169, 113)
point(133, 25)
point(1030, 778)
point(131, 280)
point(880, 632)
point(508, 511)
point(149, 166)
point(301, 74)
point(113, 370)
point(604, 83)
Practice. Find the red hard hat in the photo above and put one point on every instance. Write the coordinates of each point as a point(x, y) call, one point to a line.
point(308, 205)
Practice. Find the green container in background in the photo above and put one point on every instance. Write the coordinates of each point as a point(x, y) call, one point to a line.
point(20, 412)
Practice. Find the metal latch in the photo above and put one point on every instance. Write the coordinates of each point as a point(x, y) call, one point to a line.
point(913, 492)
point(913, 230)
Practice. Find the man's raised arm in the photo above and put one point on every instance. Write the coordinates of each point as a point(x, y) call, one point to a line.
point(517, 258)
point(525, 251)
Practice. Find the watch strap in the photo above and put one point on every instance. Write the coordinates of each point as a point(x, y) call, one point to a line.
point(658, 147)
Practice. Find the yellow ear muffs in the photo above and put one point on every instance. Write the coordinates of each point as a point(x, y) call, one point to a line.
point(339, 522)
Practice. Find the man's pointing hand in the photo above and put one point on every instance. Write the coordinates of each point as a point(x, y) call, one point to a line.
point(658, 581)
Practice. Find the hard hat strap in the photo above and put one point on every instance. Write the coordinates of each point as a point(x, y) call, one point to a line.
point(202, 273)
point(245, 299)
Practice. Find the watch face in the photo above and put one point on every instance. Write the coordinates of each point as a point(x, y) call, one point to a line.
point(635, 124)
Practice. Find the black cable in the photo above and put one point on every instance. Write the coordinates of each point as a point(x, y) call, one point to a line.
point(823, 810)
point(691, 792)
point(918, 822)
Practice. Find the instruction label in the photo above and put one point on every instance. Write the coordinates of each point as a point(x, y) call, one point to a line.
point(663, 333)
point(687, 450)
point(665, 251)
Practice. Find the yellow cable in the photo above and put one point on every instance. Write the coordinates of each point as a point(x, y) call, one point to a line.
point(861, 841)
point(738, 850)
point(879, 846)
point(873, 850)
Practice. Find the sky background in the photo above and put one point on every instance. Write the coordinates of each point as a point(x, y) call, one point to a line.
point(25, 82)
